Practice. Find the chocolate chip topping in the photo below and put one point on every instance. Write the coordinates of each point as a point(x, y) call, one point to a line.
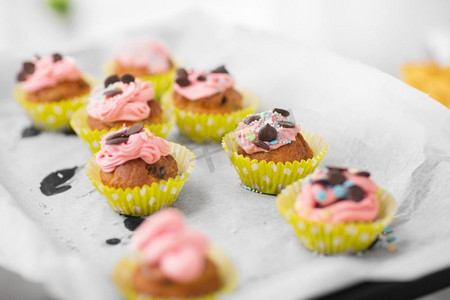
point(57, 57)
point(363, 173)
point(251, 118)
point(286, 124)
point(336, 177)
point(201, 78)
point(136, 128)
point(112, 93)
point(223, 101)
point(323, 182)
point(336, 169)
point(182, 82)
point(261, 145)
point(117, 134)
point(111, 79)
point(28, 67)
point(267, 133)
point(282, 112)
point(116, 141)
point(127, 78)
point(181, 73)
point(355, 193)
point(220, 69)
point(162, 172)
point(149, 169)
point(21, 76)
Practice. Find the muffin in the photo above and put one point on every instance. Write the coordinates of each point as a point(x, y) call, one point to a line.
point(138, 172)
point(51, 88)
point(120, 101)
point(337, 210)
point(207, 104)
point(147, 59)
point(270, 151)
point(173, 261)
point(430, 78)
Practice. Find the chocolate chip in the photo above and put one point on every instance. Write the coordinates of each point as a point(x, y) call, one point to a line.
point(113, 241)
point(28, 67)
point(53, 183)
point(355, 193)
point(286, 124)
point(21, 76)
point(117, 134)
point(282, 112)
point(183, 82)
point(131, 223)
point(323, 182)
point(162, 172)
point(181, 73)
point(267, 133)
point(201, 78)
point(336, 178)
point(112, 93)
point(127, 78)
point(149, 169)
point(251, 118)
point(336, 169)
point(223, 101)
point(363, 173)
point(30, 131)
point(111, 79)
point(134, 129)
point(220, 69)
point(117, 141)
point(261, 145)
point(57, 57)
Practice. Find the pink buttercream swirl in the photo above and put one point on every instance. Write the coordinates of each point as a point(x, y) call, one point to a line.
point(246, 134)
point(142, 145)
point(322, 201)
point(130, 105)
point(147, 54)
point(48, 73)
point(214, 83)
point(163, 240)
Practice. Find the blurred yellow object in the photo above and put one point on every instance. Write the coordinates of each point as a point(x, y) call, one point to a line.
point(430, 78)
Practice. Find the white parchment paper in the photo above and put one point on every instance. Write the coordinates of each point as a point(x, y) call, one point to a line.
point(371, 121)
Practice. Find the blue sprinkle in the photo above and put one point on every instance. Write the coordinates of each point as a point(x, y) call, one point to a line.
point(321, 196)
point(325, 169)
point(339, 191)
point(390, 239)
point(348, 183)
point(274, 142)
point(388, 230)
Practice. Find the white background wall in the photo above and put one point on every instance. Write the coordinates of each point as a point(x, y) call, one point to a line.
point(382, 33)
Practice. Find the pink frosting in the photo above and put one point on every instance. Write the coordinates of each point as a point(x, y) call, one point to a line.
point(197, 89)
point(130, 105)
point(164, 241)
point(319, 202)
point(48, 73)
point(142, 145)
point(147, 54)
point(247, 134)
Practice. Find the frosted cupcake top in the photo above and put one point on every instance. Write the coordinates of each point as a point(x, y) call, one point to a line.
point(121, 99)
point(266, 131)
point(47, 71)
point(195, 85)
point(163, 240)
point(118, 147)
point(338, 195)
point(148, 54)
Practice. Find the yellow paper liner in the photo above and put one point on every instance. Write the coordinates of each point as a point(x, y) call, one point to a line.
point(160, 82)
point(53, 115)
point(125, 268)
point(330, 238)
point(200, 127)
point(92, 137)
point(270, 177)
point(142, 201)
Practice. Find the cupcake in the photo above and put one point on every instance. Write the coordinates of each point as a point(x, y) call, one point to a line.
point(172, 261)
point(430, 78)
point(337, 210)
point(120, 101)
point(207, 104)
point(51, 88)
point(138, 172)
point(146, 59)
point(270, 151)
